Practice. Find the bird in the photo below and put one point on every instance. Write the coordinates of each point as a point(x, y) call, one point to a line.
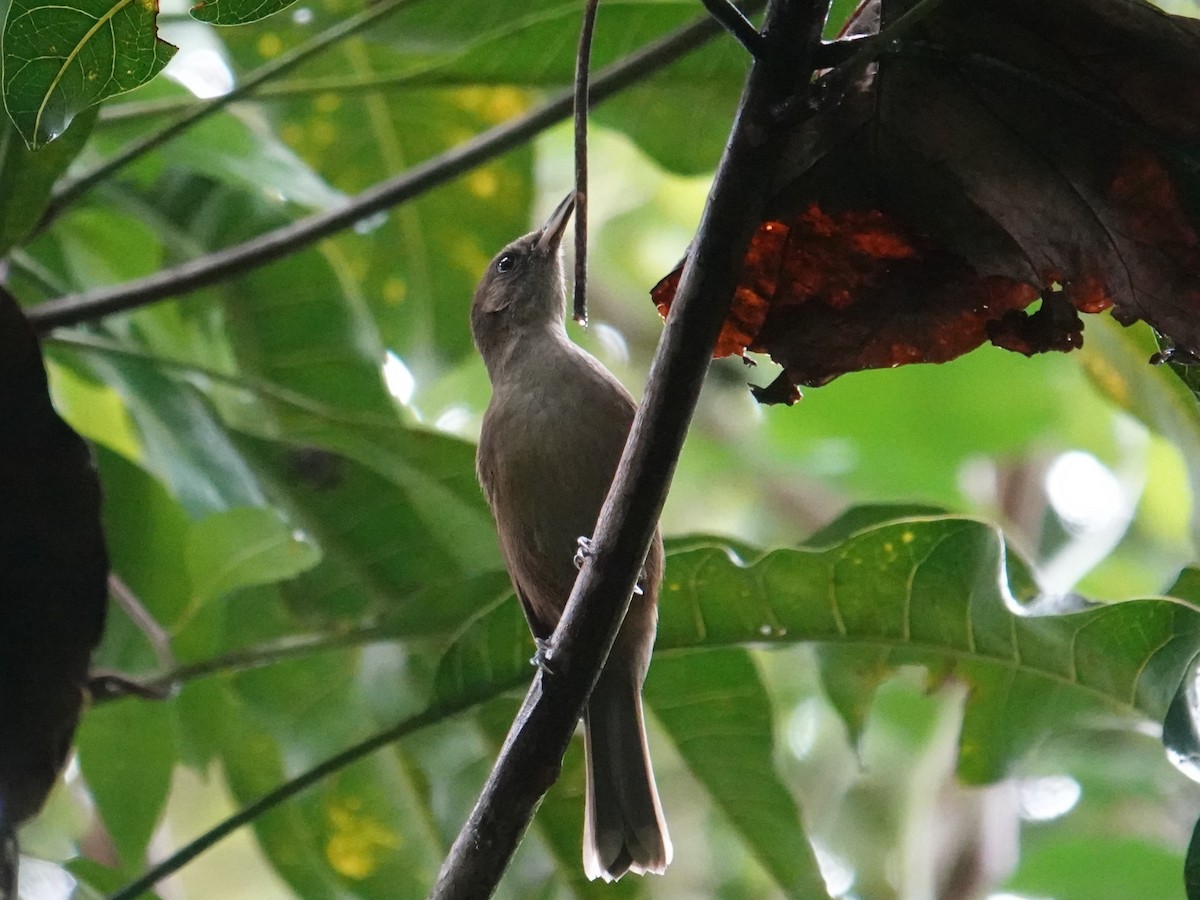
point(549, 445)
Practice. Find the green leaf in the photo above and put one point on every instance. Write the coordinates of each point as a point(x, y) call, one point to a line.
point(384, 553)
point(123, 745)
point(184, 443)
point(236, 147)
point(418, 264)
point(242, 547)
point(61, 59)
point(1095, 868)
point(716, 709)
point(930, 592)
point(27, 177)
point(147, 535)
point(863, 518)
point(236, 12)
point(357, 834)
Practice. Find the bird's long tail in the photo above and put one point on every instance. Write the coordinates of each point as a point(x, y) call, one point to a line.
point(624, 829)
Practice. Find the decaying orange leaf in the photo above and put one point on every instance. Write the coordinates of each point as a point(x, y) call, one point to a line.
point(1000, 153)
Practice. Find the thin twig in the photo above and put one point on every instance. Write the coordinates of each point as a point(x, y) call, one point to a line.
point(426, 74)
point(735, 22)
point(583, 62)
point(532, 753)
point(215, 267)
point(163, 684)
point(71, 191)
point(286, 791)
point(833, 53)
point(155, 634)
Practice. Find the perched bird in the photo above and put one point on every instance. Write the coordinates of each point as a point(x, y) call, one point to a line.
point(552, 437)
point(53, 583)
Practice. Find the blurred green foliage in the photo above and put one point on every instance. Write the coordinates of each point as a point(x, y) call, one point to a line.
point(288, 465)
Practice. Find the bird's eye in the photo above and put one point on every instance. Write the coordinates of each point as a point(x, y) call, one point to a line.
point(506, 263)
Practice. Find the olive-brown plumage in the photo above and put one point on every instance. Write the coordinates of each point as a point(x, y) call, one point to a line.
point(551, 440)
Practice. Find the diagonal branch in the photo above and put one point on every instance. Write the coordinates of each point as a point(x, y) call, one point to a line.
point(735, 22)
point(214, 267)
point(73, 190)
point(438, 712)
point(532, 754)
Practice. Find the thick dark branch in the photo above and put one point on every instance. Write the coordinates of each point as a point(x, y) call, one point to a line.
point(735, 22)
point(532, 753)
point(191, 276)
point(834, 53)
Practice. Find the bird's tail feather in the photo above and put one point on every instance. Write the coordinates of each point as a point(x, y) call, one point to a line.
point(624, 828)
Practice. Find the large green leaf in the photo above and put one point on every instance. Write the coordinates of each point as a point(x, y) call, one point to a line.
point(125, 744)
point(59, 59)
point(716, 709)
point(1098, 869)
point(359, 833)
point(930, 592)
point(384, 553)
point(244, 546)
point(419, 263)
point(147, 536)
point(236, 146)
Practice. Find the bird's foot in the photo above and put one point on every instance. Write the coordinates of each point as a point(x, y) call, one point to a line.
point(638, 590)
point(585, 551)
point(541, 659)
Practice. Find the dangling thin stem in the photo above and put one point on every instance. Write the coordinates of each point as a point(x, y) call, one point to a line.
point(583, 61)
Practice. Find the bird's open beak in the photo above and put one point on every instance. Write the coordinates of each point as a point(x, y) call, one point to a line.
point(552, 231)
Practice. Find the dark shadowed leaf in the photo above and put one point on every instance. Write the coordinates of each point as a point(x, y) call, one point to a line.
point(898, 240)
point(53, 579)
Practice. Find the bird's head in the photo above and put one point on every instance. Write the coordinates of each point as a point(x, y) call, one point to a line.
point(523, 286)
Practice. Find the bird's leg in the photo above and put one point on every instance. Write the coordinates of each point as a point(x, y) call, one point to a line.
point(584, 552)
point(541, 658)
point(105, 684)
point(587, 549)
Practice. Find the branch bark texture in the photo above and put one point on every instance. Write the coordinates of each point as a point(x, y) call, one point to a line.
point(532, 754)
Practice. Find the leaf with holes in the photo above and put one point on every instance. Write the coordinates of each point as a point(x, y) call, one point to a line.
point(59, 59)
